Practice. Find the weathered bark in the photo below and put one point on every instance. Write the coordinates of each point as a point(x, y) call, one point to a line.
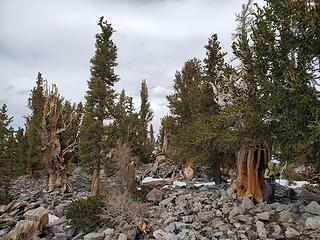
point(54, 155)
point(30, 172)
point(189, 170)
point(165, 143)
point(52, 178)
point(250, 166)
point(95, 182)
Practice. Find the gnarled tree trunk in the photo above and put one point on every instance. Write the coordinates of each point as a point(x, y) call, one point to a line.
point(51, 130)
point(189, 170)
point(250, 167)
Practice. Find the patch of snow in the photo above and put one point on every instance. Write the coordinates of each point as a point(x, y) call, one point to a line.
point(179, 184)
point(52, 218)
point(151, 179)
point(295, 184)
point(205, 184)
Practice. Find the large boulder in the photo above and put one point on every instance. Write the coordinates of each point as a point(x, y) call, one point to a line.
point(39, 216)
point(24, 230)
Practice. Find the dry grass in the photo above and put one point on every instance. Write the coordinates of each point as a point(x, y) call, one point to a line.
point(122, 210)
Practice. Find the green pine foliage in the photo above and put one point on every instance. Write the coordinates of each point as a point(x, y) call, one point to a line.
point(8, 156)
point(33, 125)
point(99, 105)
point(22, 148)
point(144, 148)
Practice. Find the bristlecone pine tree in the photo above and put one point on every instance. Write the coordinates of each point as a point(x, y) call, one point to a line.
point(58, 138)
point(99, 103)
point(274, 45)
point(33, 131)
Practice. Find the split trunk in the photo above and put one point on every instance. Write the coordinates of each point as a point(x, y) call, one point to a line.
point(250, 167)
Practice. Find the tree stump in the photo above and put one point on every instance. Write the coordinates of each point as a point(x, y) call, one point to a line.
point(251, 163)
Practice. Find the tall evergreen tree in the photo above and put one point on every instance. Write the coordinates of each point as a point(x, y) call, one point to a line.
point(99, 103)
point(7, 154)
point(146, 114)
point(125, 126)
point(33, 131)
point(22, 142)
point(151, 136)
point(144, 149)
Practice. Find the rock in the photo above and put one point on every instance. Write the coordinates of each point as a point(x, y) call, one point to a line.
point(170, 228)
point(167, 201)
point(313, 222)
point(225, 209)
point(108, 231)
point(181, 226)
point(308, 197)
point(247, 204)
point(52, 219)
point(261, 231)
point(287, 216)
point(69, 230)
point(24, 230)
point(162, 235)
point(39, 216)
point(60, 236)
point(187, 219)
point(244, 218)
point(290, 232)
point(155, 196)
point(313, 208)
point(59, 209)
point(122, 236)
point(264, 216)
point(94, 236)
point(205, 216)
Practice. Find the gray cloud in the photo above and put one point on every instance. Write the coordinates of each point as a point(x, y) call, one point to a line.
point(56, 38)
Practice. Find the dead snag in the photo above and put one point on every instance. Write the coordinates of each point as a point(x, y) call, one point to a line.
point(250, 166)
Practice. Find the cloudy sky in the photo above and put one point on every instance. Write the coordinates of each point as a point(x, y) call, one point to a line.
point(154, 37)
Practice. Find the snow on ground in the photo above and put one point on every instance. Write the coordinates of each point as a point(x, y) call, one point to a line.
point(151, 179)
point(292, 184)
point(176, 183)
point(199, 184)
point(179, 184)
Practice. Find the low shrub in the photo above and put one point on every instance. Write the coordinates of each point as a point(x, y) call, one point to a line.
point(84, 214)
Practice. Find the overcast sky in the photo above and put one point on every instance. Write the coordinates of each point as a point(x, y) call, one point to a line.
point(154, 38)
